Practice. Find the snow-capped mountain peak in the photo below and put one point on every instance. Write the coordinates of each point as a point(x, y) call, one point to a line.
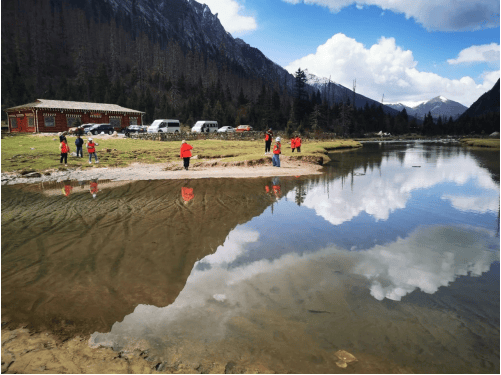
point(438, 106)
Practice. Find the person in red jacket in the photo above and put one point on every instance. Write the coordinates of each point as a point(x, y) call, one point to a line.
point(277, 150)
point(297, 143)
point(293, 143)
point(91, 148)
point(186, 153)
point(64, 151)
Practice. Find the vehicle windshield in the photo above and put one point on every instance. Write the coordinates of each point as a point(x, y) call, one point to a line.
point(155, 123)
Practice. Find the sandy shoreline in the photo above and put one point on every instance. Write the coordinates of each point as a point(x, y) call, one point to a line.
point(290, 166)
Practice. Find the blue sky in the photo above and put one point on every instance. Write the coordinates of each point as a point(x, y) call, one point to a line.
point(407, 50)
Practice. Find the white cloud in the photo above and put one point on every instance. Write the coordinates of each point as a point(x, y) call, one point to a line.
point(443, 15)
point(387, 68)
point(230, 14)
point(483, 53)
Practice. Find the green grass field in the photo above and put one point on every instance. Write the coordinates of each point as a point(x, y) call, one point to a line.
point(480, 142)
point(23, 152)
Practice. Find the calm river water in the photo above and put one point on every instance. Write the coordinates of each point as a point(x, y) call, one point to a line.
point(391, 255)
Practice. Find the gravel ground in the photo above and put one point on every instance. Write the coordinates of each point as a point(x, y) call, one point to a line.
point(289, 167)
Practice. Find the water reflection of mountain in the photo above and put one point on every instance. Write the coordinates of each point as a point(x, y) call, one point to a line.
point(79, 264)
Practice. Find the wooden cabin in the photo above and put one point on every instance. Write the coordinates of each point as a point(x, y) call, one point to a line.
point(53, 116)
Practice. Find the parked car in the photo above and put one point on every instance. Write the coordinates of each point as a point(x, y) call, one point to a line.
point(164, 126)
point(101, 128)
point(205, 127)
point(226, 129)
point(243, 128)
point(85, 127)
point(135, 129)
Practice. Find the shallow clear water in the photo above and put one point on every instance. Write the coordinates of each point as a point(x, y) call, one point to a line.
point(391, 255)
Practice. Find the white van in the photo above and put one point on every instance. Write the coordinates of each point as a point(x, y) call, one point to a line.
point(205, 127)
point(164, 126)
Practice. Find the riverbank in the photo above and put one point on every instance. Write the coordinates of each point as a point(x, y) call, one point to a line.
point(43, 353)
point(35, 158)
point(23, 153)
point(290, 166)
point(480, 142)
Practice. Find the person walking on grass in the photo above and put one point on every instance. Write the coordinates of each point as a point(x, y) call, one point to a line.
point(91, 148)
point(277, 150)
point(293, 143)
point(79, 143)
point(64, 148)
point(297, 143)
point(186, 153)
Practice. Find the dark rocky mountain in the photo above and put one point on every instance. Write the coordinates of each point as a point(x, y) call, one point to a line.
point(438, 106)
point(161, 45)
point(487, 103)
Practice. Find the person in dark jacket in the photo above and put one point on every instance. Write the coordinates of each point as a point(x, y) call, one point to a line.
point(79, 144)
point(267, 141)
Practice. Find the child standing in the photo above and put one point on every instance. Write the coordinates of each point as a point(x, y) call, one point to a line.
point(297, 143)
point(91, 148)
point(277, 150)
point(64, 148)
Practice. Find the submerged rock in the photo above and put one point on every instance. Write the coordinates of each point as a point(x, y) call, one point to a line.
point(344, 358)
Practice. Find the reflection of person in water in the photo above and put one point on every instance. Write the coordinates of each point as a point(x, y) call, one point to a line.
point(276, 187)
point(187, 194)
point(67, 188)
point(93, 188)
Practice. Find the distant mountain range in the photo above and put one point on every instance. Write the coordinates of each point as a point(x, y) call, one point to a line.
point(336, 93)
point(438, 106)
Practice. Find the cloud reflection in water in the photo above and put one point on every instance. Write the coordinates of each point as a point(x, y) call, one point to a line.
point(429, 258)
point(379, 196)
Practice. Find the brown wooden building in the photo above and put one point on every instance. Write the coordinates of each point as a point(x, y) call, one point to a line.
point(53, 116)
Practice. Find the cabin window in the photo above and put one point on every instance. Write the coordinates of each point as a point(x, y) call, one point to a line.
point(116, 122)
point(73, 122)
point(13, 122)
point(31, 122)
point(49, 121)
point(133, 121)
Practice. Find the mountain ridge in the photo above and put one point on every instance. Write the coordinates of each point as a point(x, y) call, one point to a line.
point(437, 106)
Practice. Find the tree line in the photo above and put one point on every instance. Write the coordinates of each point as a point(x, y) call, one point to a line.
point(74, 54)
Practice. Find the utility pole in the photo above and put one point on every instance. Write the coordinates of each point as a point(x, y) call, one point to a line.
point(382, 100)
point(354, 87)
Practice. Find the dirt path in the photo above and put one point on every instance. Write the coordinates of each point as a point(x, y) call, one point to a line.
point(198, 169)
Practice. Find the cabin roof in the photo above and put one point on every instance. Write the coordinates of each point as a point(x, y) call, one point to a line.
point(78, 106)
